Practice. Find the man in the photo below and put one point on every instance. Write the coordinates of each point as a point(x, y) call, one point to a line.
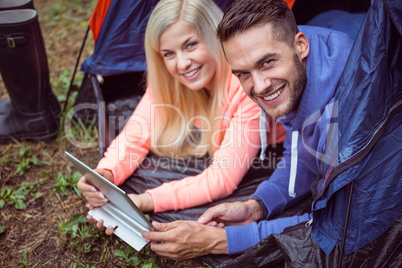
point(292, 75)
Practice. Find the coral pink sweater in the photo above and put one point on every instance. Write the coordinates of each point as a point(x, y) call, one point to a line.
point(230, 163)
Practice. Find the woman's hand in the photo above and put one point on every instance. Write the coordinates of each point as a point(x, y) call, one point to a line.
point(92, 195)
point(109, 230)
point(143, 201)
point(95, 197)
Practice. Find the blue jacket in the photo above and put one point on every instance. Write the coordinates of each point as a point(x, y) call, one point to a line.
point(306, 131)
point(362, 163)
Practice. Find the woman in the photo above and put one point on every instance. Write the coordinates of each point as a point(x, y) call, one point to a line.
point(193, 106)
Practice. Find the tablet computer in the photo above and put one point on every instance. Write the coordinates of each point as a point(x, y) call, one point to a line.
point(114, 194)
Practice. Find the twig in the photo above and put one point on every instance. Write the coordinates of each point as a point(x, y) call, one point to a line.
point(62, 204)
point(5, 150)
point(74, 204)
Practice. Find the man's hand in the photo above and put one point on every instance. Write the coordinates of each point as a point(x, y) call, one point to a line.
point(181, 240)
point(93, 196)
point(143, 201)
point(237, 213)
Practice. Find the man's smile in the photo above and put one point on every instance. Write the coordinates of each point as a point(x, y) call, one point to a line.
point(274, 96)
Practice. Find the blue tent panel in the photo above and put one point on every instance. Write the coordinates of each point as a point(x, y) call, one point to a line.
point(368, 137)
point(120, 45)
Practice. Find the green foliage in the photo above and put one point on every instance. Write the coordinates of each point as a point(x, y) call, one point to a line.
point(25, 260)
point(86, 131)
point(63, 84)
point(5, 192)
point(16, 196)
point(64, 183)
point(3, 229)
point(86, 265)
point(76, 130)
point(105, 251)
point(71, 226)
point(74, 265)
point(81, 237)
point(131, 257)
point(78, 231)
point(24, 159)
point(60, 12)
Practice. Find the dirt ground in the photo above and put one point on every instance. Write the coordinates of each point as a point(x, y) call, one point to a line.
point(33, 236)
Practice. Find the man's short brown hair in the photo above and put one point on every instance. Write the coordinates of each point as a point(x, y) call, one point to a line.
point(244, 14)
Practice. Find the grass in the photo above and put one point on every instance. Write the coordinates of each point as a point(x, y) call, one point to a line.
point(66, 182)
point(24, 159)
point(81, 237)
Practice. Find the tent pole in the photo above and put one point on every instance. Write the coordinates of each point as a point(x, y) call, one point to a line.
point(102, 116)
point(345, 227)
point(75, 69)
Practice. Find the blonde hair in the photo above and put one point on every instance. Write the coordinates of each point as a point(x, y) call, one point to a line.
point(171, 137)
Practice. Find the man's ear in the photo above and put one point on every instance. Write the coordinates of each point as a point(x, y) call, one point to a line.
point(301, 45)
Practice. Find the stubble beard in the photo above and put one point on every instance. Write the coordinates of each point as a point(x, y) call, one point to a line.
point(296, 91)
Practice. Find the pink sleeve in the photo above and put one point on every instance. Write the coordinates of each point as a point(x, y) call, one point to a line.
point(230, 162)
point(130, 147)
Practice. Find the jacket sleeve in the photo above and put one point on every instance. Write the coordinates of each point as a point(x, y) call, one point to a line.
point(129, 148)
point(230, 163)
point(274, 192)
point(243, 237)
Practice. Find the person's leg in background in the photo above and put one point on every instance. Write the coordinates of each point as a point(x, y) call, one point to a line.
point(32, 111)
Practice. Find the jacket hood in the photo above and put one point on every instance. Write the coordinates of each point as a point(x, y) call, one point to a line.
point(328, 46)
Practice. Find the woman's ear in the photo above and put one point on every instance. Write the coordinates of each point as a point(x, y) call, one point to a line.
point(301, 45)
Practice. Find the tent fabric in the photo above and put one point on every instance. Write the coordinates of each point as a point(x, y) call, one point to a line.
point(97, 17)
point(102, 6)
point(119, 47)
point(368, 138)
point(119, 44)
point(305, 10)
point(366, 143)
point(339, 20)
point(119, 28)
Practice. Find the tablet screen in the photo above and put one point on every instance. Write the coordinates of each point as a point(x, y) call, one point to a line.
point(114, 194)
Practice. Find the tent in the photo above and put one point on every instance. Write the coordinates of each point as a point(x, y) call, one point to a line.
point(364, 132)
point(118, 28)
